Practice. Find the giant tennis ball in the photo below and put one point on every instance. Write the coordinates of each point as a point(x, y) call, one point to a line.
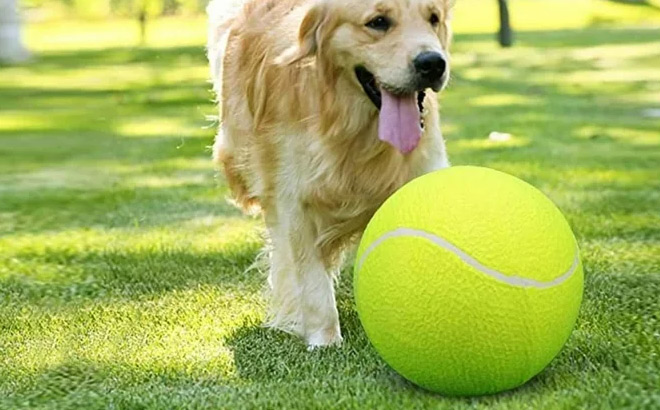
point(468, 281)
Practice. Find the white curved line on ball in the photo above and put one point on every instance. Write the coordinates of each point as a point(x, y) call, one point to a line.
point(443, 243)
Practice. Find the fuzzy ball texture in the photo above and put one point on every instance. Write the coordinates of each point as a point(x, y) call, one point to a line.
point(468, 281)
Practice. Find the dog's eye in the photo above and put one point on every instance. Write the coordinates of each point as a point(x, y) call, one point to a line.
point(435, 20)
point(380, 23)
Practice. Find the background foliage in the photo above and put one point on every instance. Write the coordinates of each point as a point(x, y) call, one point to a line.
point(122, 8)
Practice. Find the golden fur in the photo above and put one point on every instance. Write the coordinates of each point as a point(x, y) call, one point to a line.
point(299, 135)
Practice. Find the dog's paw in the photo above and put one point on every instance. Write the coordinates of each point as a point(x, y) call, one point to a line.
point(324, 338)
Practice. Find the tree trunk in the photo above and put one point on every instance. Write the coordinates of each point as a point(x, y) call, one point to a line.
point(142, 18)
point(12, 49)
point(505, 36)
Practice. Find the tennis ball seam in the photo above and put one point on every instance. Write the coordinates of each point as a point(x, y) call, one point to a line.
point(513, 280)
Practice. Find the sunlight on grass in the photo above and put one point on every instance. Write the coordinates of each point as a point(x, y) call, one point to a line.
point(153, 127)
point(169, 165)
point(621, 75)
point(54, 178)
point(623, 257)
point(627, 135)
point(486, 144)
point(46, 258)
point(184, 341)
point(116, 77)
point(503, 99)
point(187, 325)
point(167, 182)
point(619, 54)
point(579, 176)
point(19, 120)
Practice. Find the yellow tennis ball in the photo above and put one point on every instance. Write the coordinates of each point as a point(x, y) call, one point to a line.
point(468, 281)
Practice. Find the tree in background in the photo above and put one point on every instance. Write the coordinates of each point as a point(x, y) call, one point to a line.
point(146, 9)
point(12, 49)
point(505, 35)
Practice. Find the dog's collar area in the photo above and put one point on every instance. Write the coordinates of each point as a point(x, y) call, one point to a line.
point(371, 88)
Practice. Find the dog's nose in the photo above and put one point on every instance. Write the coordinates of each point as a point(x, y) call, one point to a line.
point(430, 67)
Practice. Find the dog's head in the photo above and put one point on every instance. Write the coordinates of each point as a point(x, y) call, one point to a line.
point(395, 50)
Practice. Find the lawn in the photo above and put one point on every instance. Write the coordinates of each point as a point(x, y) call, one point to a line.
point(123, 272)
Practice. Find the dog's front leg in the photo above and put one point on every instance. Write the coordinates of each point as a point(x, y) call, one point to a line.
point(318, 305)
point(303, 295)
point(319, 308)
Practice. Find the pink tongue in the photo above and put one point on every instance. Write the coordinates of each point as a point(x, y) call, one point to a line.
point(399, 121)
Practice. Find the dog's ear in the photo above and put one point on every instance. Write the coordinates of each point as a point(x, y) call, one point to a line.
point(445, 33)
point(313, 30)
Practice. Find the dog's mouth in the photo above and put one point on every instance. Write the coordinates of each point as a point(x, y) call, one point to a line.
point(401, 114)
point(373, 90)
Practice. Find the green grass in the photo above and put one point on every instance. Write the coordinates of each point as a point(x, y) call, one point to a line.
point(122, 280)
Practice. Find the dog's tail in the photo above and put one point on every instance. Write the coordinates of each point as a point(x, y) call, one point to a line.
point(221, 17)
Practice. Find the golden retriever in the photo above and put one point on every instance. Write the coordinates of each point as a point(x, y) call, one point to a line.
point(327, 108)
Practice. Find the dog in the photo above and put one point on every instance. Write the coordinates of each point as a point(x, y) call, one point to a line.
point(327, 107)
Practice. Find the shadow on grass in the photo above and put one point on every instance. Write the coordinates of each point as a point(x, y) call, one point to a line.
point(60, 210)
point(151, 96)
point(164, 57)
point(131, 275)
